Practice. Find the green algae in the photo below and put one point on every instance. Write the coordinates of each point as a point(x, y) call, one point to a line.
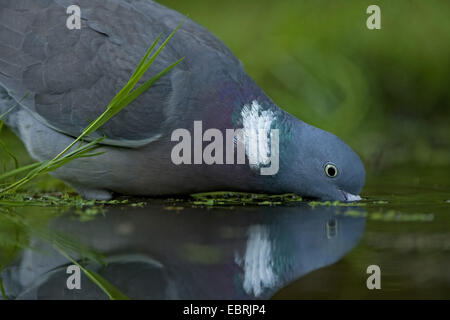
point(226, 199)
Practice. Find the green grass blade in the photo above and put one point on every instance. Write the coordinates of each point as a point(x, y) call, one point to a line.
point(127, 88)
point(137, 92)
point(14, 106)
point(2, 290)
point(112, 292)
point(19, 170)
point(141, 63)
point(134, 79)
point(51, 165)
point(5, 148)
point(10, 154)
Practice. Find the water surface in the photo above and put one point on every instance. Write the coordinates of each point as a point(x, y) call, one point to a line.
point(167, 250)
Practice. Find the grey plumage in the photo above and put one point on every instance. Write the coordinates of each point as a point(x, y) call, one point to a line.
point(71, 75)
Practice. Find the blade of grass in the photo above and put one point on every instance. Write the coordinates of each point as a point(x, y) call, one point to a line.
point(2, 144)
point(126, 89)
point(5, 148)
point(51, 165)
point(19, 170)
point(14, 106)
point(147, 54)
point(2, 290)
point(112, 292)
point(137, 92)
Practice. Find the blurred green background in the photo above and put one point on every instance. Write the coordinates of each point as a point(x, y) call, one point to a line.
point(385, 92)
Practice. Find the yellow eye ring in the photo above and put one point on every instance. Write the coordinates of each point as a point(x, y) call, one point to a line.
point(331, 170)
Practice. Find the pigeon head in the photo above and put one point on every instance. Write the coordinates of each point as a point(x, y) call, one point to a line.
point(322, 165)
point(313, 163)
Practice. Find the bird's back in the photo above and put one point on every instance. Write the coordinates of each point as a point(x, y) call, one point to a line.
point(70, 75)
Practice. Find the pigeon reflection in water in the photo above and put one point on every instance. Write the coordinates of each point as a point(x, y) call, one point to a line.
point(153, 253)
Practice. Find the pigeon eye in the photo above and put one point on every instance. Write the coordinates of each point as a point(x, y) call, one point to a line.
point(331, 170)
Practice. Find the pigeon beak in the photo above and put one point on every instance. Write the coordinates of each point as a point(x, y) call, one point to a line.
point(350, 197)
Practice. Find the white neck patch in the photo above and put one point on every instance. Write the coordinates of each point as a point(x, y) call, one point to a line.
point(256, 127)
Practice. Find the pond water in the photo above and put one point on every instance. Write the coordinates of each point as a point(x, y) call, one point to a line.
point(175, 250)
